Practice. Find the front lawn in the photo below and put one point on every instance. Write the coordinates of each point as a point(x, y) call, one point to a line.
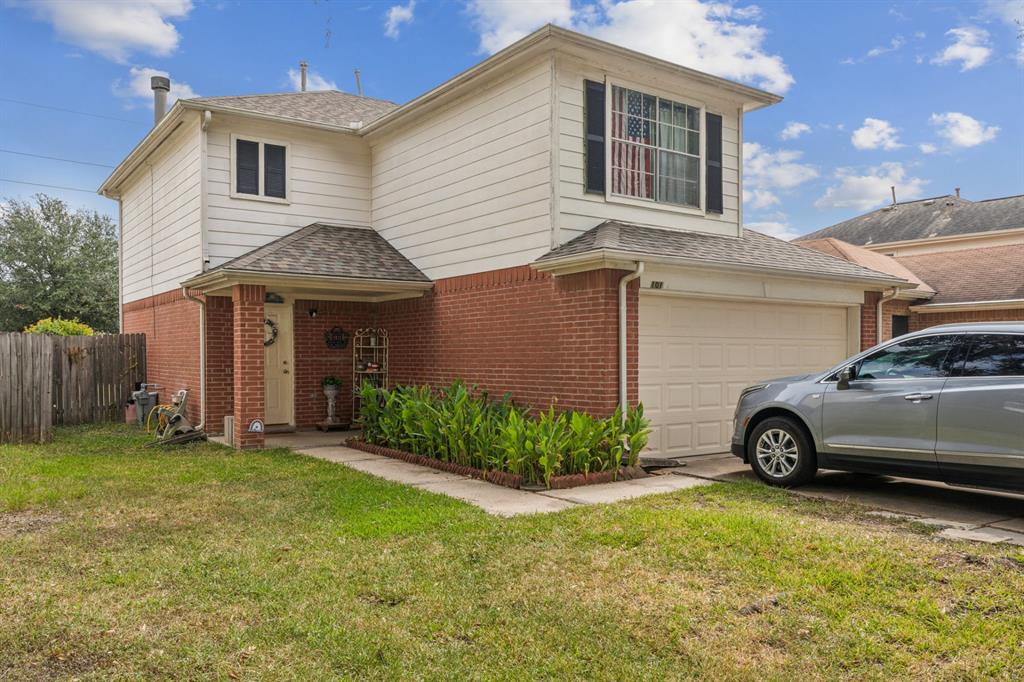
point(118, 561)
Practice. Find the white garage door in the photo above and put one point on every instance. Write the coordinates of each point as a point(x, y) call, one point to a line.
point(697, 354)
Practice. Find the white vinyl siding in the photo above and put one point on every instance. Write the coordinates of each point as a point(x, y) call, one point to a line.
point(328, 180)
point(580, 210)
point(468, 188)
point(160, 217)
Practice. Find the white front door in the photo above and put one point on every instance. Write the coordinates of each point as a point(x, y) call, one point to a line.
point(697, 354)
point(279, 372)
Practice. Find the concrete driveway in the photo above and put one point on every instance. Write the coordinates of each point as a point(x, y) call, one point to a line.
point(962, 513)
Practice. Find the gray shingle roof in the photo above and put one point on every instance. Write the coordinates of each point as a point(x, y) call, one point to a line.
point(995, 273)
point(753, 249)
point(325, 106)
point(329, 251)
point(925, 218)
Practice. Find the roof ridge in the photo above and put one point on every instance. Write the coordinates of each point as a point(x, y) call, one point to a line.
point(282, 94)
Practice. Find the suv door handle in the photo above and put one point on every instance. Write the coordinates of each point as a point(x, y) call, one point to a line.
point(918, 397)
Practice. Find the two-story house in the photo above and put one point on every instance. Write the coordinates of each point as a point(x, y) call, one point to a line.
point(563, 221)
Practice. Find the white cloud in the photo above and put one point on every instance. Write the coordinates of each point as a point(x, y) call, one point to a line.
point(774, 229)
point(970, 47)
point(870, 189)
point(962, 130)
point(927, 148)
point(1011, 13)
point(116, 29)
point(894, 44)
point(138, 90)
point(876, 133)
point(761, 198)
point(314, 81)
point(793, 130)
point(715, 37)
point(398, 15)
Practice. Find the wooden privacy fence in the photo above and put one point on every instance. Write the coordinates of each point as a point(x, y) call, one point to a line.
point(56, 380)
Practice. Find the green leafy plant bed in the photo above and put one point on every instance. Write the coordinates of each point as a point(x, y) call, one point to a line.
point(500, 477)
point(463, 428)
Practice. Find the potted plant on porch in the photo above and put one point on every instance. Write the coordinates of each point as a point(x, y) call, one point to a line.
point(331, 386)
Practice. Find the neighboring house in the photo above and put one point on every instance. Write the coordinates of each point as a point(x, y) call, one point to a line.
point(562, 221)
point(967, 258)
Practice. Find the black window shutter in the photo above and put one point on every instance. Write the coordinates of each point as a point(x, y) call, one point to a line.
point(273, 170)
point(247, 167)
point(594, 115)
point(714, 164)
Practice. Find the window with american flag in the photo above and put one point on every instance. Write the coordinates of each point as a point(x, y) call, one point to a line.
point(655, 148)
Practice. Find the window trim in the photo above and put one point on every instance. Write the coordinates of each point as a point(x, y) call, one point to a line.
point(609, 196)
point(233, 164)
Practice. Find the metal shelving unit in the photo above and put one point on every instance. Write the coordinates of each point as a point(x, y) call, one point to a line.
point(369, 362)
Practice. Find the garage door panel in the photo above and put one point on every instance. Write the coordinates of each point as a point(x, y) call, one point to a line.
point(697, 355)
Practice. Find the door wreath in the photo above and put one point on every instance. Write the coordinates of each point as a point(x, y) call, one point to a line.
point(272, 330)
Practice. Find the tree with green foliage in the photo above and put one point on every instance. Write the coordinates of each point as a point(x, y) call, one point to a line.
point(58, 326)
point(55, 262)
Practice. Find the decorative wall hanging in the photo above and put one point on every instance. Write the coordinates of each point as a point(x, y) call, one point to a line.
point(270, 333)
point(271, 297)
point(336, 337)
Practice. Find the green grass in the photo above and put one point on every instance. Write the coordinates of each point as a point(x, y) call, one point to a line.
point(123, 562)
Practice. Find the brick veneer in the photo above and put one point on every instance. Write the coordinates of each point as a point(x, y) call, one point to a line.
point(869, 319)
point(923, 321)
point(247, 311)
point(919, 321)
point(541, 338)
point(171, 325)
point(314, 360)
point(220, 364)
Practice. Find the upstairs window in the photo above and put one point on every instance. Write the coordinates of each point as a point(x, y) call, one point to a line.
point(260, 169)
point(655, 148)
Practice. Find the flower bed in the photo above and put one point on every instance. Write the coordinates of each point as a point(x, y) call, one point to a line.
point(499, 477)
point(459, 428)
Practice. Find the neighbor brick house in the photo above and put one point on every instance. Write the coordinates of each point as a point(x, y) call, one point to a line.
point(966, 259)
point(563, 222)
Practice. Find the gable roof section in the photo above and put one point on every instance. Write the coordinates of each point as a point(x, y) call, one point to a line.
point(869, 259)
point(994, 273)
point(325, 107)
point(927, 218)
point(320, 250)
point(751, 251)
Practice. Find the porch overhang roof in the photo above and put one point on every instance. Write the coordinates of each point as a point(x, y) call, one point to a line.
point(219, 282)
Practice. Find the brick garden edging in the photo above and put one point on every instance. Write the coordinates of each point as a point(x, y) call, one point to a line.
point(498, 477)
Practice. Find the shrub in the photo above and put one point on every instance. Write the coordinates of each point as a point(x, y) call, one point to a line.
point(458, 426)
point(58, 326)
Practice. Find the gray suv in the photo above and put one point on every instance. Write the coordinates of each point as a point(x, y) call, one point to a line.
point(946, 404)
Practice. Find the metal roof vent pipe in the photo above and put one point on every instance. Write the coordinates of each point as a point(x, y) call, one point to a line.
point(303, 68)
point(957, 192)
point(161, 85)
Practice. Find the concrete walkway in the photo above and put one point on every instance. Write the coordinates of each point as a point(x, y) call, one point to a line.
point(961, 513)
point(493, 499)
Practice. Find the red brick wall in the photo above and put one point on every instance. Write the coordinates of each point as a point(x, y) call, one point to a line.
point(919, 321)
point(314, 360)
point(249, 396)
point(220, 383)
point(541, 338)
point(869, 319)
point(171, 325)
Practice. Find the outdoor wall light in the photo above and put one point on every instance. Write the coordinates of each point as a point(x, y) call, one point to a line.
point(312, 312)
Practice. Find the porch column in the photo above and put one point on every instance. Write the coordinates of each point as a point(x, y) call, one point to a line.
point(247, 308)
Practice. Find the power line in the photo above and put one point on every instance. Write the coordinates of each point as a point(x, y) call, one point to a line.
point(56, 158)
point(39, 184)
point(70, 111)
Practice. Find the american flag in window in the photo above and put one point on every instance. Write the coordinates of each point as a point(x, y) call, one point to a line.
point(655, 148)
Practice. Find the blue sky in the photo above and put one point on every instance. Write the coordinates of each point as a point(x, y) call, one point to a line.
point(926, 96)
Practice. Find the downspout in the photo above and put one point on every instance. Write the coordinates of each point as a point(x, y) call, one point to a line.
point(623, 369)
point(878, 322)
point(202, 356)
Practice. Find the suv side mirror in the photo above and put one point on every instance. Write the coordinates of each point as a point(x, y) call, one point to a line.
point(846, 375)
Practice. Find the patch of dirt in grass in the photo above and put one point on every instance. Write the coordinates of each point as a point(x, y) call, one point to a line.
point(28, 521)
point(951, 559)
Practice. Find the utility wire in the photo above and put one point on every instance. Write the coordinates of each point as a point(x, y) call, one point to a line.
point(39, 184)
point(70, 111)
point(56, 158)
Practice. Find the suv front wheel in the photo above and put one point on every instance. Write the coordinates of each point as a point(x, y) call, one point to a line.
point(780, 453)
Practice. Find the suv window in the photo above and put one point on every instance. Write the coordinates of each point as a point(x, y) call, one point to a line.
point(994, 355)
point(920, 358)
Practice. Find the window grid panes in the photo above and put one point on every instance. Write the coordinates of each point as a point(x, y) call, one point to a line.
point(655, 148)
